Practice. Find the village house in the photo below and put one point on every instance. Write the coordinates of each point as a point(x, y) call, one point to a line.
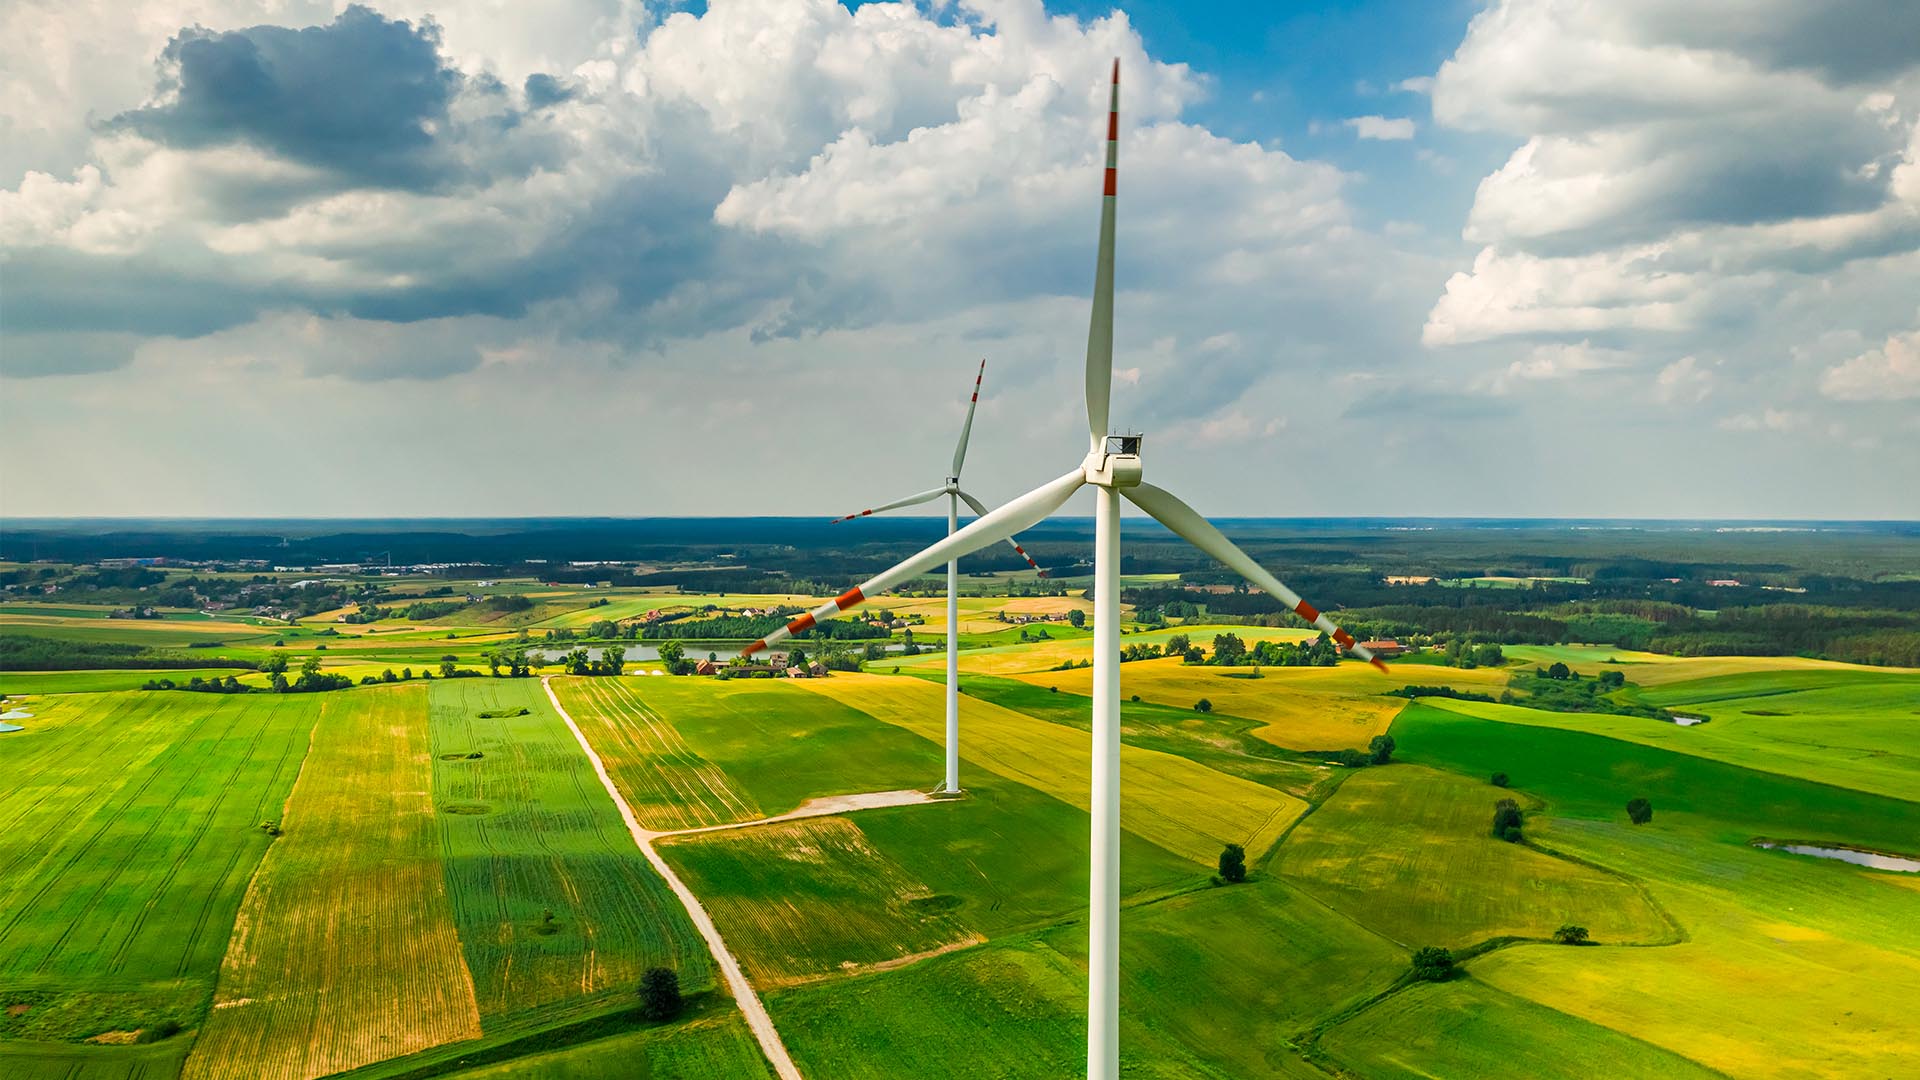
point(1385, 648)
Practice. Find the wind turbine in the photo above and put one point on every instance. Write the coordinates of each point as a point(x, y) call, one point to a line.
point(955, 496)
point(1112, 468)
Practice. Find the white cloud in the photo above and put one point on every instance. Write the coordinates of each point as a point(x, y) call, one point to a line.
point(1764, 420)
point(1546, 363)
point(1889, 373)
point(1383, 128)
point(1683, 382)
point(1418, 84)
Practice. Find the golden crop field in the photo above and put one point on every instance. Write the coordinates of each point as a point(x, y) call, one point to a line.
point(1182, 806)
point(1656, 669)
point(1300, 708)
point(668, 785)
point(345, 950)
point(1041, 656)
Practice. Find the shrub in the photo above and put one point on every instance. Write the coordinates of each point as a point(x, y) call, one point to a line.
point(1571, 935)
point(1352, 759)
point(1506, 820)
point(1380, 750)
point(1499, 779)
point(1639, 811)
point(1203, 705)
point(1233, 864)
point(660, 994)
point(165, 1029)
point(1433, 964)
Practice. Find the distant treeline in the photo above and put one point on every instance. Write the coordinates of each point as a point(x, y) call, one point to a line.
point(740, 628)
point(22, 652)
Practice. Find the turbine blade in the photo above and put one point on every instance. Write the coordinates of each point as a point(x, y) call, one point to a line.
point(1022, 513)
point(966, 429)
point(980, 509)
point(911, 500)
point(1185, 522)
point(1100, 328)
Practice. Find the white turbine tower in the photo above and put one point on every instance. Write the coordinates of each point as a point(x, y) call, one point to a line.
point(951, 489)
point(1112, 467)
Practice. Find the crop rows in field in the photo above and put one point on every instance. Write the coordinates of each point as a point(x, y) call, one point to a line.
point(668, 785)
point(129, 824)
point(345, 951)
point(536, 835)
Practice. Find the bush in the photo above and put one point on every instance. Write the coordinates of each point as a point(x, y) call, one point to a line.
point(1203, 705)
point(165, 1029)
point(1433, 964)
point(1352, 759)
point(1506, 820)
point(1639, 811)
point(1499, 779)
point(1571, 935)
point(1380, 750)
point(1233, 864)
point(660, 994)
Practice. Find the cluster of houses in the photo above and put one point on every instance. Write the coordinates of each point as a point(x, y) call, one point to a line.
point(775, 667)
point(1023, 620)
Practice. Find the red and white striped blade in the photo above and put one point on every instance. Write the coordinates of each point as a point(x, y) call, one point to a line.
point(1022, 513)
point(966, 429)
point(911, 500)
point(1184, 521)
point(1100, 325)
point(981, 509)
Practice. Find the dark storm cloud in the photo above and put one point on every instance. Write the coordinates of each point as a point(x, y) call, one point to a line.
point(1845, 41)
point(544, 90)
point(363, 97)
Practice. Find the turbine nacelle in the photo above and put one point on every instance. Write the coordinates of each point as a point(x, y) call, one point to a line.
point(1115, 464)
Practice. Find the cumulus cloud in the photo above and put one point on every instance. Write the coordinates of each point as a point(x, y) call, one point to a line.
point(1383, 128)
point(1683, 382)
point(1764, 420)
point(1889, 373)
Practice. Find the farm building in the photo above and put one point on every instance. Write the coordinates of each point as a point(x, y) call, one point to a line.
point(1385, 648)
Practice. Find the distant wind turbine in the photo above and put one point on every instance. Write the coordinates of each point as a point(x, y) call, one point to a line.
point(1112, 468)
point(951, 489)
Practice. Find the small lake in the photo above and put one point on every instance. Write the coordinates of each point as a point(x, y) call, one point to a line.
point(1872, 859)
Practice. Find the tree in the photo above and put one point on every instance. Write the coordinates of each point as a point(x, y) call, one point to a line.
point(448, 665)
point(1433, 964)
point(660, 994)
point(1612, 680)
point(1203, 705)
point(614, 659)
point(275, 664)
point(1559, 671)
point(1506, 820)
point(1639, 811)
point(1077, 617)
point(1499, 779)
point(1571, 935)
point(1177, 645)
point(1488, 655)
point(671, 651)
point(1233, 864)
point(310, 668)
point(1380, 749)
point(797, 658)
point(1228, 650)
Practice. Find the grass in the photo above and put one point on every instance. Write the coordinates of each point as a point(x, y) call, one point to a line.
point(1854, 730)
point(708, 1048)
point(1656, 669)
point(1463, 1028)
point(152, 633)
point(69, 1061)
point(1409, 853)
point(808, 898)
point(667, 783)
point(1296, 708)
point(346, 949)
point(1778, 947)
point(100, 680)
point(1182, 806)
point(128, 830)
point(549, 841)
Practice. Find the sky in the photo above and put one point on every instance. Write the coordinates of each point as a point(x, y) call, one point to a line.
point(457, 258)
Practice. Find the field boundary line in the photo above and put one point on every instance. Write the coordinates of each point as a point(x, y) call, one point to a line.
point(743, 992)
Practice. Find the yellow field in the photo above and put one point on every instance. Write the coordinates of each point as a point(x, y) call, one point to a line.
point(976, 612)
point(345, 951)
point(668, 785)
point(1182, 806)
point(1408, 852)
point(1299, 708)
point(809, 898)
point(1040, 656)
point(152, 626)
point(1654, 669)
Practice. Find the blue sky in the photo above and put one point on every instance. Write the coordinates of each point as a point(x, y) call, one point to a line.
point(430, 257)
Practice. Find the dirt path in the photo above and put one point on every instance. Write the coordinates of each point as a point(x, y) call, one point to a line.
point(743, 993)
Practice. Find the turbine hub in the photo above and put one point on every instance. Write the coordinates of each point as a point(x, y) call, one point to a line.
point(1116, 463)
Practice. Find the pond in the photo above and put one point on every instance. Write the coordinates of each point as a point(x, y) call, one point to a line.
point(1858, 857)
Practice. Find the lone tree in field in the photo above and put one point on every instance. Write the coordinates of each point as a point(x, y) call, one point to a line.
point(1571, 935)
point(1203, 705)
point(1639, 811)
point(1076, 618)
point(1433, 964)
point(1233, 864)
point(1380, 750)
point(660, 994)
point(1506, 820)
point(1499, 779)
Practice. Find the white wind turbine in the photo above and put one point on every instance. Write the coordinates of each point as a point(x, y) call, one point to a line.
point(1112, 468)
point(955, 496)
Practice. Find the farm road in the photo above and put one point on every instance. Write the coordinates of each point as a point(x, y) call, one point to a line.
point(743, 992)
